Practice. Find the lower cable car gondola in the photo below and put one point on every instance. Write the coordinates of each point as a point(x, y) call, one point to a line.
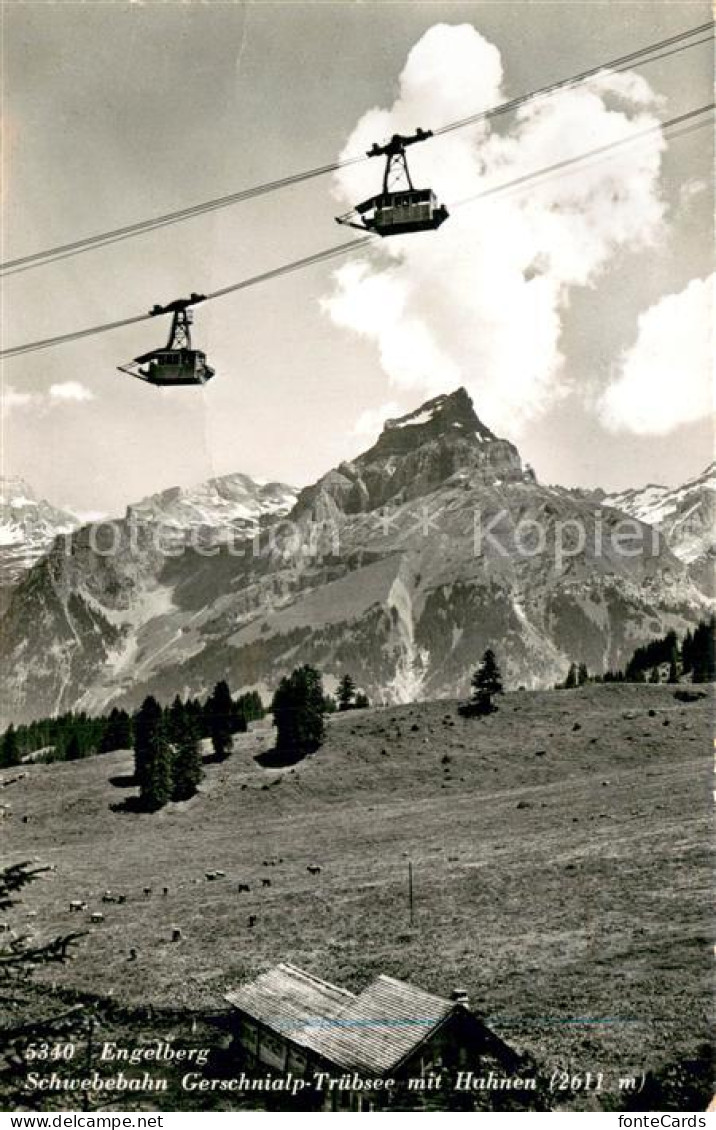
point(400, 208)
point(176, 364)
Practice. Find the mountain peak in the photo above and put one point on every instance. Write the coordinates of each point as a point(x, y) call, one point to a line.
point(451, 414)
point(415, 455)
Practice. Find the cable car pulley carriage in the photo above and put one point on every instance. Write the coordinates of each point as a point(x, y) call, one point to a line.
point(400, 208)
point(178, 363)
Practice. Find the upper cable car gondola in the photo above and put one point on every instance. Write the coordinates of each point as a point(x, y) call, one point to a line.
point(177, 363)
point(400, 208)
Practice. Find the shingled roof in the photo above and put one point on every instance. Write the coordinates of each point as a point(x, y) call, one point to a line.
point(286, 999)
point(381, 1026)
point(371, 1032)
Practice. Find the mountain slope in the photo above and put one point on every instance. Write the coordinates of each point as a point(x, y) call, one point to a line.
point(400, 566)
point(28, 527)
point(684, 514)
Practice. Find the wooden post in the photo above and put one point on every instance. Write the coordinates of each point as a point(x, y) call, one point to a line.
point(410, 889)
point(90, 1051)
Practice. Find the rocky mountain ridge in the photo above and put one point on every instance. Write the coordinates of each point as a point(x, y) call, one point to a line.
point(400, 566)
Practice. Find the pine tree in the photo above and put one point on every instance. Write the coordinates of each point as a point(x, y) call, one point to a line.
point(117, 732)
point(73, 750)
point(219, 712)
point(361, 701)
point(175, 719)
point(655, 677)
point(346, 691)
point(10, 748)
point(187, 769)
point(673, 665)
point(582, 674)
point(149, 718)
point(298, 710)
point(486, 683)
point(572, 679)
point(157, 788)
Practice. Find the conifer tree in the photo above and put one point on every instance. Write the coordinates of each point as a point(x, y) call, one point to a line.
point(148, 720)
point(345, 692)
point(572, 679)
point(298, 710)
point(73, 749)
point(486, 683)
point(10, 748)
point(219, 712)
point(187, 769)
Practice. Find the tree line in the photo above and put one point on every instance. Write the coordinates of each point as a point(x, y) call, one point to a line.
point(666, 659)
point(76, 735)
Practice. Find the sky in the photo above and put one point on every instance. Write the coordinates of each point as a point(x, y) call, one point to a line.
point(574, 311)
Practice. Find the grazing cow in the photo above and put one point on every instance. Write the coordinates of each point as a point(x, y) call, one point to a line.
point(252, 920)
point(265, 882)
point(210, 875)
point(176, 934)
point(243, 887)
point(147, 892)
point(314, 869)
point(96, 916)
point(77, 905)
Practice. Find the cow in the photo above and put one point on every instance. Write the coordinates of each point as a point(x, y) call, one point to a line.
point(77, 905)
point(314, 869)
point(265, 882)
point(132, 954)
point(96, 916)
point(109, 897)
point(243, 887)
point(147, 892)
point(176, 934)
point(252, 920)
point(165, 891)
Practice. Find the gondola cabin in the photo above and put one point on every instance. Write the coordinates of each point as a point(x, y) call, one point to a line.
point(398, 213)
point(177, 363)
point(400, 208)
point(166, 368)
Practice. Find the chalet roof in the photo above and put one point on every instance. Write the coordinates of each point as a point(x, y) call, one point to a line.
point(381, 1026)
point(286, 999)
point(371, 1032)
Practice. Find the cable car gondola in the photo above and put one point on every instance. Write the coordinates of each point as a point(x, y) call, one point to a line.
point(177, 363)
point(400, 208)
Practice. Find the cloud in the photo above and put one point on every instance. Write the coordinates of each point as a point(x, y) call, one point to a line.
point(690, 189)
point(67, 392)
point(370, 423)
point(70, 391)
point(665, 379)
point(481, 302)
point(12, 399)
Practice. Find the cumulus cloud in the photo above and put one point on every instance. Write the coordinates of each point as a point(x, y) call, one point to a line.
point(70, 391)
point(665, 379)
point(13, 398)
point(481, 302)
point(66, 392)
